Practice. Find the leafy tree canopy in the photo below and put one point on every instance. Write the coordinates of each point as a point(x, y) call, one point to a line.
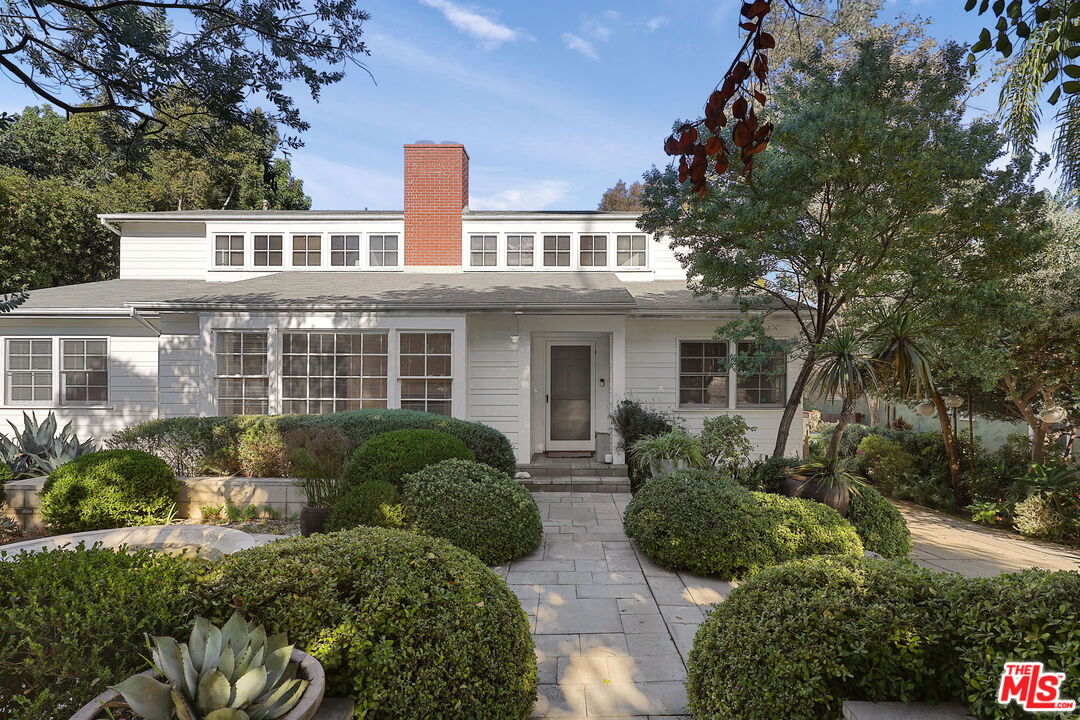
point(621, 197)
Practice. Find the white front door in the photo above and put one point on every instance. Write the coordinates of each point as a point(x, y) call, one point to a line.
point(570, 396)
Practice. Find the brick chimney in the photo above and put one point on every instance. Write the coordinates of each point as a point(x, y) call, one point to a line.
point(436, 191)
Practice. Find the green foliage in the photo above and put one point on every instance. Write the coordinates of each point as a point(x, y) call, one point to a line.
point(372, 503)
point(73, 622)
point(393, 455)
point(37, 449)
point(241, 513)
point(260, 447)
point(622, 198)
point(724, 442)
point(631, 421)
point(675, 450)
point(406, 625)
point(475, 507)
point(691, 520)
point(1040, 515)
point(317, 457)
point(192, 446)
point(987, 512)
point(880, 525)
point(112, 488)
point(768, 475)
point(884, 462)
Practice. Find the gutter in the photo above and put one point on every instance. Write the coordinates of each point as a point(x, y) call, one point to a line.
point(249, 307)
point(105, 221)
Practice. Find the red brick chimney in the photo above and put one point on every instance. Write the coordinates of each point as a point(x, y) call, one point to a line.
point(436, 191)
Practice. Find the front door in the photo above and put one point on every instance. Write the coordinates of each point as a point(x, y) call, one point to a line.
point(570, 396)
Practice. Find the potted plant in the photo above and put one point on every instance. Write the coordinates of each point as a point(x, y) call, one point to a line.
point(827, 480)
point(234, 672)
point(317, 456)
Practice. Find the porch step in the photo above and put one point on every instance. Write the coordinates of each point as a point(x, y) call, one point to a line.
point(595, 483)
point(584, 467)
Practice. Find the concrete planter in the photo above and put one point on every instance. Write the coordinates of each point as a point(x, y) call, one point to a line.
point(835, 497)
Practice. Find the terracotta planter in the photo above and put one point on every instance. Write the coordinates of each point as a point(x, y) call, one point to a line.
point(835, 497)
point(310, 669)
point(313, 519)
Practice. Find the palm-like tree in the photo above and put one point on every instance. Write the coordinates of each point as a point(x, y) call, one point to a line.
point(843, 370)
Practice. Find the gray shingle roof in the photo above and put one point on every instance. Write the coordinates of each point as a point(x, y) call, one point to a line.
point(108, 294)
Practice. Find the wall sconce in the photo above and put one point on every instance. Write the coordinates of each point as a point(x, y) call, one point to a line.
point(514, 338)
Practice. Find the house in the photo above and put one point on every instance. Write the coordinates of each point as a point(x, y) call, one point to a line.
point(535, 323)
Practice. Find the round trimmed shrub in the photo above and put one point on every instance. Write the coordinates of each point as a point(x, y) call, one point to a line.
point(884, 461)
point(795, 641)
point(373, 503)
point(879, 524)
point(690, 520)
point(112, 488)
point(391, 456)
point(406, 625)
point(474, 506)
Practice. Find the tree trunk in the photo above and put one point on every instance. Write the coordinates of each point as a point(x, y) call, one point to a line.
point(950, 446)
point(794, 405)
point(1038, 442)
point(873, 404)
point(846, 413)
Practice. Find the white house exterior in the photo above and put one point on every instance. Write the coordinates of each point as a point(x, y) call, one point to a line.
point(535, 323)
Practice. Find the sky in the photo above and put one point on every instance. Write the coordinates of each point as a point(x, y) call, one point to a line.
point(554, 100)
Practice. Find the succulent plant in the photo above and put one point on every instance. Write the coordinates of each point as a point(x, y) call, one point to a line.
point(232, 673)
point(37, 449)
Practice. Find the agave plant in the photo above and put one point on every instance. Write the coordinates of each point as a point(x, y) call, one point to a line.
point(232, 673)
point(38, 449)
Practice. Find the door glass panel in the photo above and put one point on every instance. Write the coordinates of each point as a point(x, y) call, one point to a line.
point(571, 393)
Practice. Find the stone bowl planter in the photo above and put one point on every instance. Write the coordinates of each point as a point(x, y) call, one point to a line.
point(310, 669)
point(313, 519)
point(834, 496)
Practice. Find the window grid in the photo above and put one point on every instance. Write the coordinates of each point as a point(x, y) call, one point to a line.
point(425, 366)
point(307, 250)
point(703, 380)
point(333, 372)
point(383, 250)
point(765, 388)
point(84, 376)
point(345, 250)
point(242, 377)
point(519, 250)
point(556, 251)
point(630, 251)
point(229, 250)
point(484, 250)
point(29, 370)
point(593, 251)
point(268, 250)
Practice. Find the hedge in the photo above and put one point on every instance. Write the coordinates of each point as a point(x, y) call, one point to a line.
point(373, 503)
point(880, 525)
point(391, 456)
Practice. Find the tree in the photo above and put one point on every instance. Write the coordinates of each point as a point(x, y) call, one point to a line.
point(843, 369)
point(166, 61)
point(620, 198)
point(875, 188)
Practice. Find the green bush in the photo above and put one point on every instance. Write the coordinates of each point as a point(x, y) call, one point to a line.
point(690, 520)
point(768, 475)
point(191, 446)
point(795, 641)
point(474, 506)
point(260, 447)
point(112, 488)
point(884, 462)
point(632, 422)
point(372, 503)
point(406, 625)
point(73, 622)
point(391, 456)
point(880, 525)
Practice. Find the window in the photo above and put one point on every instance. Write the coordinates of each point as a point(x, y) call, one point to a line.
point(242, 381)
point(594, 251)
point(345, 250)
point(519, 250)
point(307, 250)
point(702, 377)
point(268, 251)
point(556, 251)
point(229, 250)
point(29, 371)
point(331, 372)
point(84, 376)
point(383, 250)
point(630, 251)
point(425, 372)
point(764, 388)
point(484, 250)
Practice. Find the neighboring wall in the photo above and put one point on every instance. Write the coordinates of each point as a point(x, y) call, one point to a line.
point(181, 359)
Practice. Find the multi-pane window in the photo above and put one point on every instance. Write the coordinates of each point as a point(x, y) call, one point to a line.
point(29, 369)
point(630, 251)
point(84, 376)
point(345, 250)
point(594, 251)
point(243, 382)
point(702, 378)
point(519, 250)
point(268, 250)
point(556, 251)
point(383, 250)
point(332, 372)
point(762, 388)
point(229, 250)
point(484, 250)
point(425, 372)
point(306, 250)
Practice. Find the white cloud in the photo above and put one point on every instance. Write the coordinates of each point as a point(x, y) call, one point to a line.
point(335, 185)
point(612, 14)
point(580, 45)
point(490, 33)
point(531, 196)
point(655, 23)
point(598, 31)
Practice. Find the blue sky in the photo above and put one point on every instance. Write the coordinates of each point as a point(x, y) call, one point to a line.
point(554, 100)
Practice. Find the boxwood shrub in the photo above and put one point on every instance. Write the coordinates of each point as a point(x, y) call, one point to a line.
point(474, 506)
point(373, 503)
point(406, 625)
point(691, 520)
point(73, 622)
point(112, 488)
point(391, 456)
point(880, 525)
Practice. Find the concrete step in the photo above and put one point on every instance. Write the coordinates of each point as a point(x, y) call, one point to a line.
point(592, 483)
point(583, 469)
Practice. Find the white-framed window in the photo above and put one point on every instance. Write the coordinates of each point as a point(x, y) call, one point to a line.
point(703, 381)
point(229, 250)
point(483, 250)
point(242, 374)
point(519, 250)
point(29, 369)
point(84, 371)
point(324, 372)
point(593, 251)
point(383, 251)
point(268, 250)
point(630, 250)
point(556, 251)
point(306, 250)
point(425, 367)
point(764, 389)
point(345, 250)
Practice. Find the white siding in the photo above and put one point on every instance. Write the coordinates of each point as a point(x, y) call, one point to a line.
point(163, 250)
point(180, 359)
point(494, 374)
